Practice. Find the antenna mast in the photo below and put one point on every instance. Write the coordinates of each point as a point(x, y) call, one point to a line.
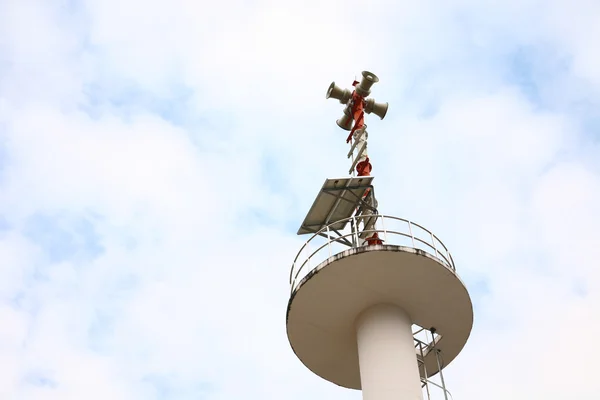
point(353, 120)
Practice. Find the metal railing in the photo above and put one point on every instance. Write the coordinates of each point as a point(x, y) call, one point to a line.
point(393, 230)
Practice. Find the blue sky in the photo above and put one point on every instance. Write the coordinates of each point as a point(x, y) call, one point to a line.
point(157, 158)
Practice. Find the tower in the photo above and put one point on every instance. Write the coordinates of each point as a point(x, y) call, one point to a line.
point(376, 303)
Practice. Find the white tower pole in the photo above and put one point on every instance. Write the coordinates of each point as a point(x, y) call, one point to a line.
point(350, 314)
point(386, 354)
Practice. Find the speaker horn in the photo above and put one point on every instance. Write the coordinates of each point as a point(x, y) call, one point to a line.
point(335, 92)
point(379, 109)
point(364, 88)
point(345, 122)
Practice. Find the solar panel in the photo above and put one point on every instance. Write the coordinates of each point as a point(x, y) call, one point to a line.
point(337, 200)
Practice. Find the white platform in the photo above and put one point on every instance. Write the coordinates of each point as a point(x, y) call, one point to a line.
point(324, 306)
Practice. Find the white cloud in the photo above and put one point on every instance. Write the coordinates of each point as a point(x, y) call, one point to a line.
point(187, 297)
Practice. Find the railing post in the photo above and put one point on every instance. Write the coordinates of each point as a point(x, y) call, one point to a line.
point(355, 233)
point(434, 246)
point(328, 241)
point(384, 231)
point(309, 256)
point(412, 237)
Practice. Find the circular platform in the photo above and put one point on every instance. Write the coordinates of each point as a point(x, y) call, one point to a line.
point(323, 307)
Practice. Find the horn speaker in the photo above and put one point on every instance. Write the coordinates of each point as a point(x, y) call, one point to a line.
point(379, 109)
point(335, 92)
point(345, 122)
point(364, 88)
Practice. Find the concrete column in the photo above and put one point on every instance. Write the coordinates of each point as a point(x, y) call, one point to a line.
point(386, 355)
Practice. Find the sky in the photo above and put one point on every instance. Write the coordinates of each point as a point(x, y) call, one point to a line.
point(157, 158)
